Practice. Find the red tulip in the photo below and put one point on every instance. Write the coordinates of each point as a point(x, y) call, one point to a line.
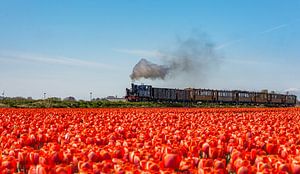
point(295, 168)
point(38, 169)
point(34, 157)
point(164, 140)
point(205, 163)
point(104, 155)
point(243, 170)
point(93, 157)
point(171, 161)
point(218, 164)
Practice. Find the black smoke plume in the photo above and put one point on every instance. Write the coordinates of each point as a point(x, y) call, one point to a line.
point(193, 57)
point(148, 70)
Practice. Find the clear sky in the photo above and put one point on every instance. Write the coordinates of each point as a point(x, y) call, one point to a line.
point(71, 48)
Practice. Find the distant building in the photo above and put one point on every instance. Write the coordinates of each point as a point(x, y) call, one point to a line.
point(18, 98)
point(70, 98)
point(114, 98)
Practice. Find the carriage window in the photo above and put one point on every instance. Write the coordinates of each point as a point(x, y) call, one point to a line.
point(205, 93)
point(227, 94)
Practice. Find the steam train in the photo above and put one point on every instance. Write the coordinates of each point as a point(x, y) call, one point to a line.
point(189, 95)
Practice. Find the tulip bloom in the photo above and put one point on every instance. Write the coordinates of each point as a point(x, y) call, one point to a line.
point(150, 140)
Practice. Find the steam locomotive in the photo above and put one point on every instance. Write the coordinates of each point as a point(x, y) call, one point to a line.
point(188, 95)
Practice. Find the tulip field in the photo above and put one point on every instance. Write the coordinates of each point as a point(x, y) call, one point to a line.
point(150, 140)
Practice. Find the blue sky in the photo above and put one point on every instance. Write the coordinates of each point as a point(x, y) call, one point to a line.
point(68, 48)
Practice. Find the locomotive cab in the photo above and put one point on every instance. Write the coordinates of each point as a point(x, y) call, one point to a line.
point(139, 92)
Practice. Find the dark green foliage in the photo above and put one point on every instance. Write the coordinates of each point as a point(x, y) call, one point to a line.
point(58, 103)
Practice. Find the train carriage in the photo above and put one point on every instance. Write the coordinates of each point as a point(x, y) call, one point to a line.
point(261, 98)
point(164, 94)
point(290, 100)
point(203, 95)
point(276, 98)
point(225, 96)
point(244, 97)
point(182, 95)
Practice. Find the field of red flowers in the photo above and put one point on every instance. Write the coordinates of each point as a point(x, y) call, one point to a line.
point(155, 140)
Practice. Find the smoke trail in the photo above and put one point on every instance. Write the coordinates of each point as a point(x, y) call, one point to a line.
point(192, 56)
point(148, 70)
